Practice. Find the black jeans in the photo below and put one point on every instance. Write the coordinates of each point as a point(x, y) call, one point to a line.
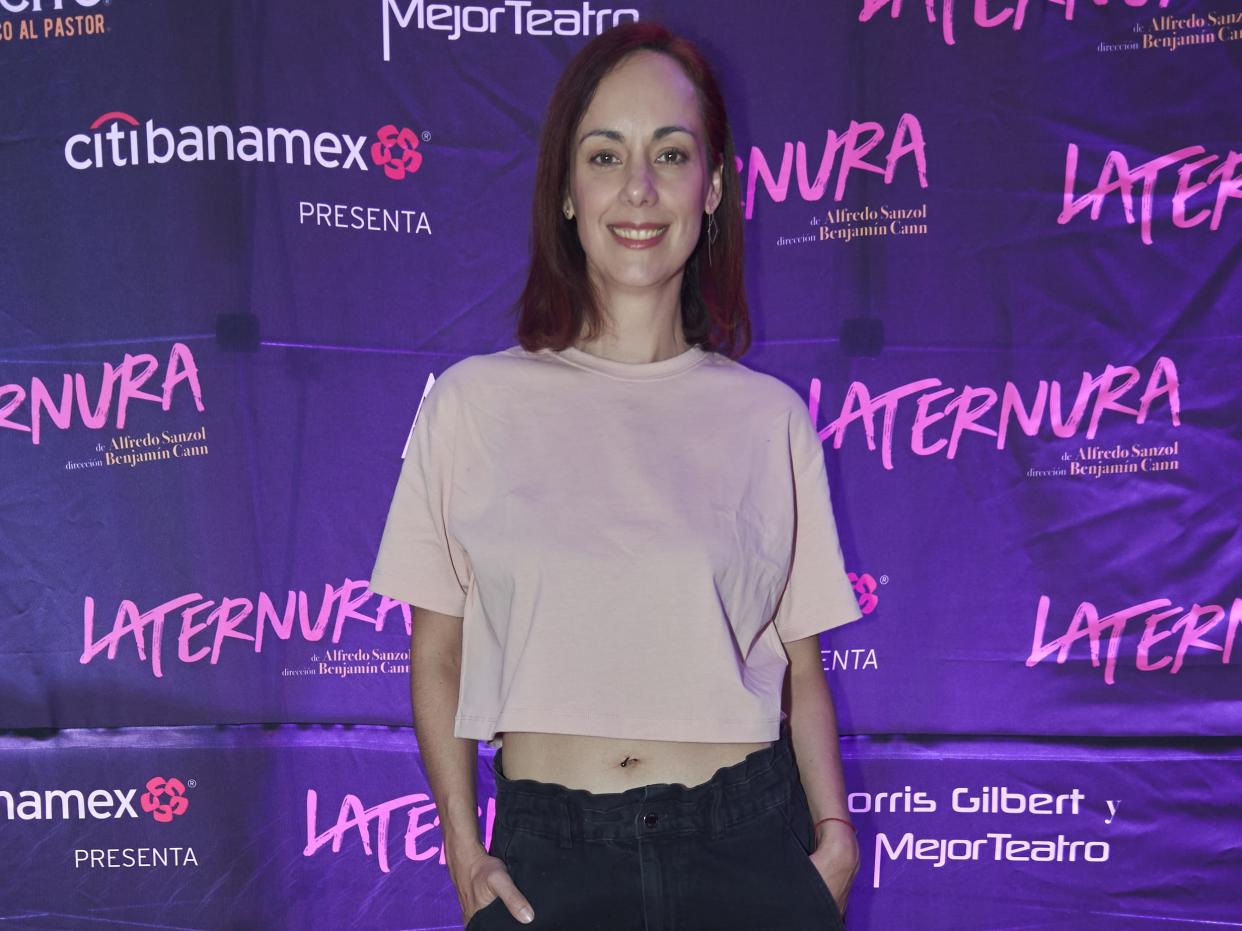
point(730, 854)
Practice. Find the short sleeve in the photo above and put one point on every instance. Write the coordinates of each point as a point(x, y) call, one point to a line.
point(419, 561)
point(818, 595)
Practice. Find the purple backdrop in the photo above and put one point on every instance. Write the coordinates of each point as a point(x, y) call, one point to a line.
point(994, 246)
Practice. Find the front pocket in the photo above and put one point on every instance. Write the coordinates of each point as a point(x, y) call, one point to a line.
point(800, 847)
point(501, 849)
point(479, 917)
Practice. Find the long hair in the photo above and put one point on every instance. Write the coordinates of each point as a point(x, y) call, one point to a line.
point(558, 297)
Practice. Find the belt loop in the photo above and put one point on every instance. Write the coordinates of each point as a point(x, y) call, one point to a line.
point(716, 819)
point(567, 822)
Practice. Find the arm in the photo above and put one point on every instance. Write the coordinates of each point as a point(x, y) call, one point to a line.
point(813, 730)
point(451, 763)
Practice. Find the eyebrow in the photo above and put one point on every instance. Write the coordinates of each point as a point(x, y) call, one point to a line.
point(618, 137)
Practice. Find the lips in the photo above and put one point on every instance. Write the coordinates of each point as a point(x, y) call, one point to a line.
point(638, 236)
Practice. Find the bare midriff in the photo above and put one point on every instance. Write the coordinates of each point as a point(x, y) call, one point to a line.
point(609, 764)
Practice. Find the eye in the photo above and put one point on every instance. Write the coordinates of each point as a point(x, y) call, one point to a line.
point(673, 157)
point(603, 158)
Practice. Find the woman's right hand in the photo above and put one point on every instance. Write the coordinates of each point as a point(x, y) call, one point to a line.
point(484, 878)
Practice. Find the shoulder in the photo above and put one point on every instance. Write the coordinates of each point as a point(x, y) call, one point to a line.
point(469, 376)
point(754, 388)
point(756, 397)
point(513, 362)
point(489, 385)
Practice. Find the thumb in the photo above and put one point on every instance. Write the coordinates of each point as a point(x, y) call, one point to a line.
point(507, 891)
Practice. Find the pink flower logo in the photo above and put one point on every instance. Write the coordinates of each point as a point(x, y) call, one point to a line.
point(165, 798)
point(864, 587)
point(397, 151)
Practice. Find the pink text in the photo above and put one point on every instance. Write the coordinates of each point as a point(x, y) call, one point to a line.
point(353, 817)
point(204, 626)
point(1116, 175)
point(1191, 629)
point(987, 14)
point(963, 410)
point(854, 144)
point(124, 381)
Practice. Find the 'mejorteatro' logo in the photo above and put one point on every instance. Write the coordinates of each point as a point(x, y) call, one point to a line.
point(117, 139)
point(520, 17)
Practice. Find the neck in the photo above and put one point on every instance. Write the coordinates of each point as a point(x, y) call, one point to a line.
point(640, 326)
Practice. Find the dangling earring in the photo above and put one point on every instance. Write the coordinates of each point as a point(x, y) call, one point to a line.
point(712, 232)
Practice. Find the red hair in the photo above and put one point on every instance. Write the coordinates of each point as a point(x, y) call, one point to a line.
point(558, 297)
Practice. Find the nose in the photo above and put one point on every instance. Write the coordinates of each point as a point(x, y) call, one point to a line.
point(639, 190)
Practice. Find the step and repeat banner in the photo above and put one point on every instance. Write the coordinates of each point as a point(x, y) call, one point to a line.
point(323, 826)
point(997, 246)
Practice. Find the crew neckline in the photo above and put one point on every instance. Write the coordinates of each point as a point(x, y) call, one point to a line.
point(633, 370)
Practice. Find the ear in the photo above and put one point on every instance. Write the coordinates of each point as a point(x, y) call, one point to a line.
point(567, 208)
point(715, 190)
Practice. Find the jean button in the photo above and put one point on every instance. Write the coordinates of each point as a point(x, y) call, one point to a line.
point(650, 818)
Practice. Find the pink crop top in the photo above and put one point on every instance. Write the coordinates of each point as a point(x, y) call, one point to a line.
point(628, 544)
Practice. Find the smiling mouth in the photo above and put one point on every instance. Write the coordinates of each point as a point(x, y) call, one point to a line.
point(638, 235)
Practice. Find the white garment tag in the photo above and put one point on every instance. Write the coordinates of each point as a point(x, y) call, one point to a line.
point(431, 380)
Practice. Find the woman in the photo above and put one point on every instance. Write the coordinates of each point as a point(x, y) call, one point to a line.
point(617, 539)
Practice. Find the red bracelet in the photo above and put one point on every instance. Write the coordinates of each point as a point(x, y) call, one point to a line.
point(842, 820)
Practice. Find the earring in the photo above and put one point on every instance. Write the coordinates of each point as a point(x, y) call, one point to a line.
point(568, 210)
point(712, 232)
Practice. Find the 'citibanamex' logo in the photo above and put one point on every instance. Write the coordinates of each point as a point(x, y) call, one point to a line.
point(396, 151)
point(165, 798)
point(864, 588)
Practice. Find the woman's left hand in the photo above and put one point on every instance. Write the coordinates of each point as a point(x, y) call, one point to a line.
point(836, 857)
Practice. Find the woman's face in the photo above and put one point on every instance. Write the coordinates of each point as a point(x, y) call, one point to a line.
point(640, 177)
